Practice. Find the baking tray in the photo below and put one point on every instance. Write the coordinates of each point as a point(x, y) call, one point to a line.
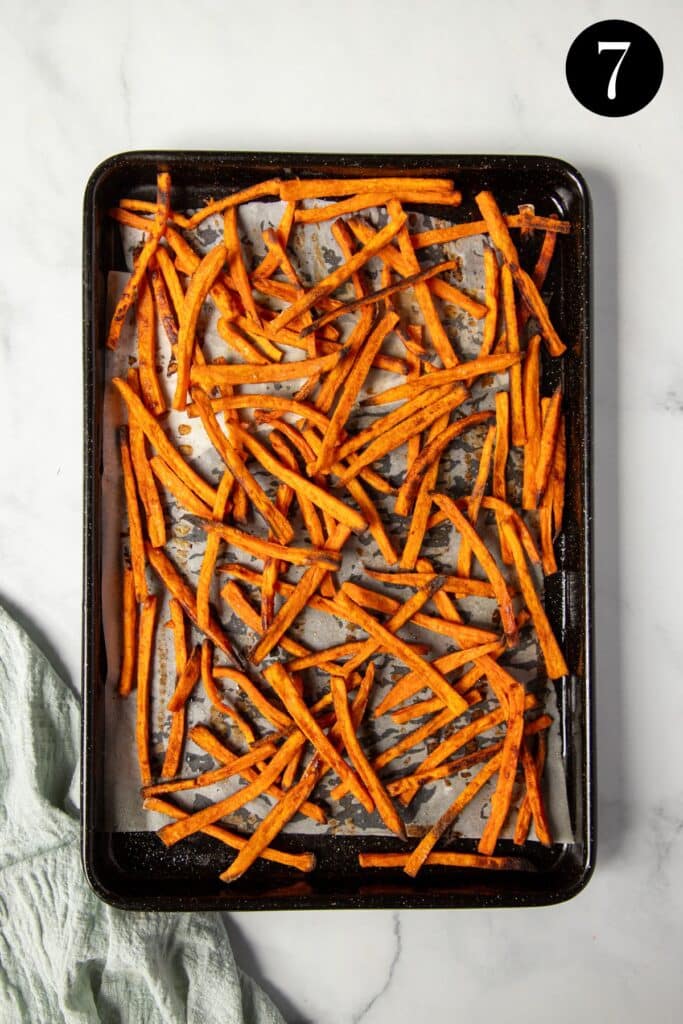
point(133, 870)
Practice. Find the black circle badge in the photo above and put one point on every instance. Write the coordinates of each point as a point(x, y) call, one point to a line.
point(614, 68)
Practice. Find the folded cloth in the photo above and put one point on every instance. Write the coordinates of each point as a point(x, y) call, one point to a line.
point(64, 955)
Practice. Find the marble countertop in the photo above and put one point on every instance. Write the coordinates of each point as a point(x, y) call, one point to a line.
point(81, 83)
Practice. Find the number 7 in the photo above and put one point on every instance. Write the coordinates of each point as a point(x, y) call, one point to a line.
point(624, 48)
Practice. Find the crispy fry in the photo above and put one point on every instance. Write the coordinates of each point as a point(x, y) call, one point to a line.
point(273, 823)
point(558, 476)
point(162, 304)
point(157, 438)
point(452, 584)
point(144, 662)
point(441, 859)
point(509, 757)
point(300, 861)
point(262, 548)
point(385, 423)
point(184, 594)
point(186, 498)
point(211, 552)
point(429, 454)
point(197, 291)
point(463, 567)
point(171, 834)
point(146, 339)
point(172, 281)
point(487, 563)
point(555, 664)
point(545, 514)
point(325, 188)
point(281, 681)
point(186, 681)
point(423, 502)
point(239, 605)
point(228, 452)
point(205, 739)
point(491, 296)
point(176, 738)
point(210, 778)
point(208, 377)
point(441, 343)
point(245, 195)
point(421, 852)
point(383, 293)
point(154, 513)
point(515, 370)
point(432, 677)
point(533, 772)
point(128, 632)
point(156, 229)
point(465, 371)
point(353, 384)
point(235, 260)
point(301, 595)
point(137, 547)
point(500, 455)
point(532, 419)
point(277, 403)
point(336, 508)
point(340, 275)
point(398, 435)
point(551, 425)
point(479, 227)
point(212, 692)
point(381, 798)
point(233, 336)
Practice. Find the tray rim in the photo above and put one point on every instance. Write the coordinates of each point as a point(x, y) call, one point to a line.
point(248, 161)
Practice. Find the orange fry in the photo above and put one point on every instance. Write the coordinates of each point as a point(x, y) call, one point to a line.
point(532, 419)
point(176, 736)
point(340, 275)
point(235, 260)
point(197, 291)
point(157, 438)
point(282, 683)
point(441, 859)
point(214, 696)
point(240, 607)
point(515, 371)
point(509, 758)
point(208, 377)
point(551, 425)
point(421, 852)
point(261, 548)
point(186, 498)
point(211, 550)
point(137, 546)
point(300, 861)
point(533, 772)
point(381, 798)
point(210, 778)
point(556, 666)
point(452, 584)
point(156, 228)
point(146, 329)
point(484, 557)
point(171, 834)
point(144, 664)
point(186, 681)
point(162, 304)
point(144, 478)
point(464, 371)
point(325, 188)
point(128, 632)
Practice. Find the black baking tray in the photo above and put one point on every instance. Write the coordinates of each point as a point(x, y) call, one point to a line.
point(134, 870)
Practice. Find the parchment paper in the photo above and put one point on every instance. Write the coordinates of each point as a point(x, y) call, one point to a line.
point(314, 253)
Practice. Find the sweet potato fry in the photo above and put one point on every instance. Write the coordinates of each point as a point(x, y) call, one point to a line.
point(184, 594)
point(176, 737)
point(545, 514)
point(532, 419)
point(145, 325)
point(322, 499)
point(137, 547)
point(491, 298)
point(300, 861)
point(515, 370)
point(208, 377)
point(205, 739)
point(326, 188)
point(464, 563)
point(502, 447)
point(373, 298)
point(558, 476)
point(464, 371)
point(185, 497)
point(388, 422)
point(509, 758)
point(451, 585)
point(429, 454)
point(211, 552)
point(439, 236)
point(154, 513)
point(146, 626)
point(382, 801)
point(212, 692)
point(210, 778)
point(197, 291)
point(340, 275)
point(232, 459)
point(162, 304)
point(240, 606)
point(157, 438)
point(171, 834)
point(235, 261)
point(551, 424)
point(277, 403)
point(293, 801)
point(128, 631)
point(432, 677)
point(157, 229)
point(186, 680)
point(441, 859)
point(281, 681)
point(483, 556)
point(419, 855)
point(261, 548)
point(245, 195)
point(172, 282)
point(556, 666)
point(533, 771)
point(353, 384)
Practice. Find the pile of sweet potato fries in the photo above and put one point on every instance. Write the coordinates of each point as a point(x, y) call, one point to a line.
point(325, 473)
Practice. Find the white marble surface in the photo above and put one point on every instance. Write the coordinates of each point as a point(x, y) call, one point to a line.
point(83, 80)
